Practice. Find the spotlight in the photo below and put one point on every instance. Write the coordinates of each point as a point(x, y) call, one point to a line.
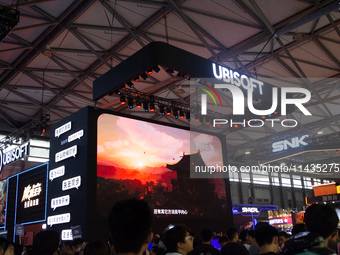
point(116, 92)
point(136, 79)
point(181, 75)
point(146, 105)
point(149, 71)
point(47, 117)
point(152, 106)
point(181, 114)
point(161, 109)
point(176, 113)
point(201, 119)
point(144, 76)
point(138, 103)
point(168, 110)
point(130, 84)
point(156, 69)
point(187, 115)
point(130, 102)
point(169, 70)
point(122, 99)
point(207, 120)
point(197, 117)
point(42, 130)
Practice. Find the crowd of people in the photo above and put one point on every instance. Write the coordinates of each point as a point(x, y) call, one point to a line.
point(130, 233)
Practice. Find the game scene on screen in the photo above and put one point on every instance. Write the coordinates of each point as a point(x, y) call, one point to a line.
point(152, 162)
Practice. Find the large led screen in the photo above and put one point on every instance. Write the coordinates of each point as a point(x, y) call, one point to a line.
point(152, 162)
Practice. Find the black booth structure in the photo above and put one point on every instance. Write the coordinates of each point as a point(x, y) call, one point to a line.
point(26, 202)
point(98, 158)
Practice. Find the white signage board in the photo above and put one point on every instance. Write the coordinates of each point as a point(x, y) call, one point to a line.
point(75, 136)
point(58, 219)
point(71, 183)
point(57, 172)
point(66, 235)
point(65, 154)
point(63, 129)
point(60, 201)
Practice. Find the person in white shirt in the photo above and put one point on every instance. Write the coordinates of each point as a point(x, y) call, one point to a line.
point(178, 241)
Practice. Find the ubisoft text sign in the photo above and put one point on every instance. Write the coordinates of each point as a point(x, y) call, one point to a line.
point(237, 81)
point(7, 157)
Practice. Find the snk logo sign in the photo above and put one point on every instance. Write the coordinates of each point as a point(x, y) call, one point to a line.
point(294, 143)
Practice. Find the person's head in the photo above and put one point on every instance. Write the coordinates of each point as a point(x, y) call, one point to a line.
point(97, 247)
point(46, 242)
point(76, 244)
point(10, 249)
point(335, 235)
point(82, 248)
point(297, 228)
point(3, 245)
point(243, 236)
point(283, 236)
point(250, 237)
point(67, 248)
point(222, 241)
point(155, 250)
point(232, 235)
point(130, 223)
point(178, 239)
point(321, 219)
point(267, 236)
point(206, 235)
point(18, 249)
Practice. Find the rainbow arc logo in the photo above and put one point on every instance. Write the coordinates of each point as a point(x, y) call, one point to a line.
point(210, 94)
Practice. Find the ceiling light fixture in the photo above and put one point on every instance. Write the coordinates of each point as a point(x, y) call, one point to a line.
point(181, 114)
point(122, 100)
point(130, 102)
point(156, 69)
point(144, 76)
point(152, 106)
point(187, 115)
point(298, 37)
point(47, 52)
point(161, 109)
point(138, 103)
point(146, 105)
point(180, 91)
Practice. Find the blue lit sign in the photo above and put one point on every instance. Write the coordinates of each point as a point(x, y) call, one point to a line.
point(251, 210)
